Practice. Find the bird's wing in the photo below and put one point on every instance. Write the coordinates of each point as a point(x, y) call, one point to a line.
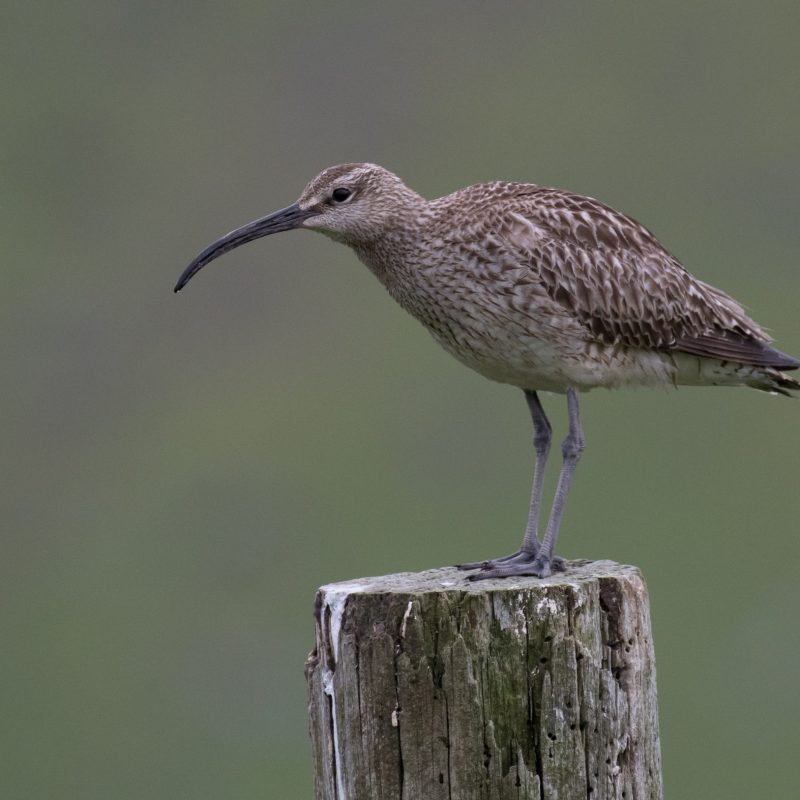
point(614, 277)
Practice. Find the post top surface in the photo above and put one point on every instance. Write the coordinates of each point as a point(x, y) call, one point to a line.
point(445, 579)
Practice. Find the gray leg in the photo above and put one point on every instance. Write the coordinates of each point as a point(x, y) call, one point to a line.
point(571, 448)
point(542, 436)
point(545, 560)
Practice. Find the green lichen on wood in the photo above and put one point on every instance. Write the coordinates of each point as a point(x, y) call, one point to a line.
point(541, 689)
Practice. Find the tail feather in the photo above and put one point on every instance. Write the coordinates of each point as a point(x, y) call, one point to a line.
point(774, 382)
point(730, 346)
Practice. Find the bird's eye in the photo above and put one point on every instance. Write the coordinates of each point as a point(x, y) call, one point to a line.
point(340, 194)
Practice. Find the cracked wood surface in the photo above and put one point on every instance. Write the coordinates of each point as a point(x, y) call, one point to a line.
point(423, 686)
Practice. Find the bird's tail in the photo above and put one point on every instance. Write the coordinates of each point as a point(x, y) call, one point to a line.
point(773, 381)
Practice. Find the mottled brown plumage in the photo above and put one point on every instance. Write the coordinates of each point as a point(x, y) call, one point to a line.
point(535, 287)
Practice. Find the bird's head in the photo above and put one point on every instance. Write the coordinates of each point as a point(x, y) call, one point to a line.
point(351, 203)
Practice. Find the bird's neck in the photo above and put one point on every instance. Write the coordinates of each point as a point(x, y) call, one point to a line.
point(392, 253)
point(391, 258)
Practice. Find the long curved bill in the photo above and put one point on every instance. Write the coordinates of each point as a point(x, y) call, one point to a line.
point(283, 220)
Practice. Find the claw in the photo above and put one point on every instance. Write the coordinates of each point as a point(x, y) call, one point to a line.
point(474, 565)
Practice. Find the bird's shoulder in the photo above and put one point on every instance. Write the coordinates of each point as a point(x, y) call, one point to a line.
point(557, 214)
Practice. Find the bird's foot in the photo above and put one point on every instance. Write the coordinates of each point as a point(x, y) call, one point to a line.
point(517, 564)
point(521, 556)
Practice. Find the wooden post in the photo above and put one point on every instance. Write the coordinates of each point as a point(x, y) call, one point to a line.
point(424, 686)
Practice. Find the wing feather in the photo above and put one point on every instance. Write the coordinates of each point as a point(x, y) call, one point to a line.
point(616, 279)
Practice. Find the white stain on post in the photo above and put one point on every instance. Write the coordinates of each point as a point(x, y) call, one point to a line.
point(334, 601)
point(511, 615)
point(406, 616)
point(547, 603)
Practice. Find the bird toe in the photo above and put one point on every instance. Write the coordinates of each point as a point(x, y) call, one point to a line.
point(537, 568)
point(518, 557)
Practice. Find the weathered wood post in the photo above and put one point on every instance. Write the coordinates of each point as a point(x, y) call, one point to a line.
point(424, 686)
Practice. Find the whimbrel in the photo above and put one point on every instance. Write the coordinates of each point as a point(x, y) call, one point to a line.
point(538, 288)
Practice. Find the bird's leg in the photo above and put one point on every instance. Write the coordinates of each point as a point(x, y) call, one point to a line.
point(571, 449)
point(545, 561)
point(542, 436)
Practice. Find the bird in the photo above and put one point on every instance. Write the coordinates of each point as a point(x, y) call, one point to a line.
point(539, 288)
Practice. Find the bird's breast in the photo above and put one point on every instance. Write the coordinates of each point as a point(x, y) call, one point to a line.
point(491, 314)
point(495, 316)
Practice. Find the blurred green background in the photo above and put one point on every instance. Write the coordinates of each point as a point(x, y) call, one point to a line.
point(181, 473)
